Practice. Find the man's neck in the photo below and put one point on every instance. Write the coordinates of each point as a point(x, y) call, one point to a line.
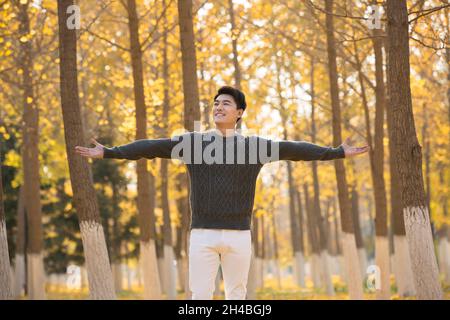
point(226, 131)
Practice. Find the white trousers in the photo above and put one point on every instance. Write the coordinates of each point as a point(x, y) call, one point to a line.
point(209, 248)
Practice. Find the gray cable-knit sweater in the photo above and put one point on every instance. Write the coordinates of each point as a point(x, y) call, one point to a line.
point(222, 192)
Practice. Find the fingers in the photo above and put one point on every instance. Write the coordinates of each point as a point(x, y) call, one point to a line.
point(361, 149)
point(83, 149)
point(84, 154)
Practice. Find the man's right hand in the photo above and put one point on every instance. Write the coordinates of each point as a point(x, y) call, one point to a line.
point(95, 152)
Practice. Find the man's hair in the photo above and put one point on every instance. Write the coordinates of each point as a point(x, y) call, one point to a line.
point(238, 96)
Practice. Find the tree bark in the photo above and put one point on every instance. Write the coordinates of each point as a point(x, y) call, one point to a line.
point(6, 289)
point(317, 212)
point(145, 180)
point(96, 256)
point(408, 155)
point(349, 245)
point(293, 219)
point(116, 258)
point(234, 42)
point(36, 280)
point(189, 64)
point(376, 156)
point(19, 270)
point(401, 262)
point(358, 235)
point(169, 271)
point(190, 89)
point(313, 238)
point(300, 254)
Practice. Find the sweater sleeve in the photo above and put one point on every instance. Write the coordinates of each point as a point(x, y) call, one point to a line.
point(143, 148)
point(306, 151)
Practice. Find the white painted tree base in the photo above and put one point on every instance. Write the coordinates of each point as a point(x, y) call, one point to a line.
point(335, 265)
point(100, 279)
point(275, 267)
point(444, 258)
point(181, 267)
point(362, 260)
point(251, 284)
point(6, 289)
point(19, 276)
point(117, 275)
point(342, 268)
point(326, 273)
point(152, 285)
point(218, 282)
point(35, 276)
point(259, 273)
point(84, 277)
point(162, 280)
point(382, 261)
point(421, 248)
point(352, 267)
point(315, 270)
point(128, 276)
point(265, 269)
point(170, 273)
point(299, 269)
point(402, 266)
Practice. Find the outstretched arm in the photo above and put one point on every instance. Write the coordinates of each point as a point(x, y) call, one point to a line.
point(144, 148)
point(306, 151)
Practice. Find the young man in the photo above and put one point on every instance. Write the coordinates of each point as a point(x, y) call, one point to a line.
point(223, 166)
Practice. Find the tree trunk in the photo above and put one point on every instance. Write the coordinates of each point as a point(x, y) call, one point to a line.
point(402, 262)
point(252, 277)
point(190, 87)
point(116, 240)
point(145, 180)
point(234, 43)
point(349, 245)
point(337, 242)
point(19, 272)
point(263, 253)
point(189, 63)
point(36, 280)
point(205, 101)
point(376, 154)
point(169, 269)
point(275, 249)
point(180, 247)
point(408, 156)
point(96, 256)
point(300, 255)
point(6, 289)
point(426, 144)
point(317, 212)
point(182, 185)
point(293, 219)
point(358, 235)
point(313, 239)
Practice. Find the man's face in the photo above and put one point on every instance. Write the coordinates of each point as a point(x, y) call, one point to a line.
point(225, 110)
